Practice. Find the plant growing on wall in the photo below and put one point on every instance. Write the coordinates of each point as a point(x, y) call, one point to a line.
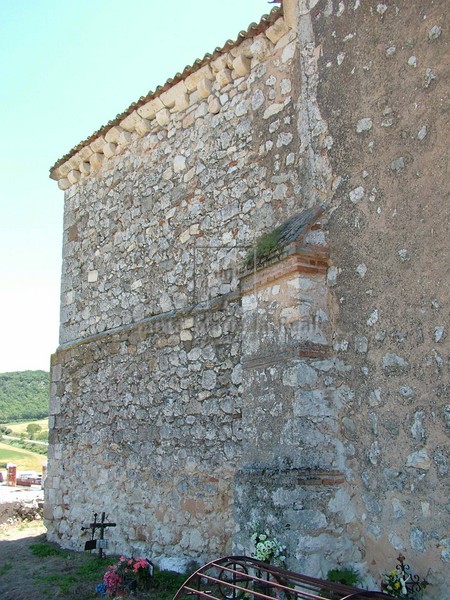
point(264, 247)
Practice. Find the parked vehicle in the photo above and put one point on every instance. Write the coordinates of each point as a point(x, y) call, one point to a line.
point(29, 478)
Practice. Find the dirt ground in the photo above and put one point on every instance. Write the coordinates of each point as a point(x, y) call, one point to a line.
point(27, 576)
point(66, 576)
point(18, 566)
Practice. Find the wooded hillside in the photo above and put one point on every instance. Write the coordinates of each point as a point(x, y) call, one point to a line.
point(23, 395)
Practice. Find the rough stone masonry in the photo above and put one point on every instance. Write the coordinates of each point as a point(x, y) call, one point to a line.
point(255, 300)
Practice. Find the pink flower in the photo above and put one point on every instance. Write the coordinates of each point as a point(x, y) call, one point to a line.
point(112, 579)
point(140, 563)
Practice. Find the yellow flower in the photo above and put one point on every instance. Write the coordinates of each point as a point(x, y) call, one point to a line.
point(397, 585)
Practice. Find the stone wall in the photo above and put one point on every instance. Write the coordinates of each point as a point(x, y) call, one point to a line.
point(165, 220)
point(146, 399)
point(156, 452)
point(190, 395)
point(383, 74)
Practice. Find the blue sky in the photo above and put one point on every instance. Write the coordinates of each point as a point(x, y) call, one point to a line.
point(66, 68)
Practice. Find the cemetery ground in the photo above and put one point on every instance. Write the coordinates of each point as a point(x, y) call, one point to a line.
point(32, 568)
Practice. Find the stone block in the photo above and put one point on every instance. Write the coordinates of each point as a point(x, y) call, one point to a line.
point(129, 123)
point(124, 138)
point(113, 134)
point(163, 117)
point(181, 102)
point(85, 153)
point(170, 97)
point(277, 31)
point(85, 168)
point(272, 110)
point(192, 80)
point(56, 174)
point(194, 98)
point(394, 365)
point(204, 87)
point(214, 106)
point(149, 110)
point(97, 145)
point(223, 77)
point(260, 48)
point(179, 163)
point(241, 65)
point(64, 184)
point(96, 160)
point(64, 169)
point(419, 460)
point(243, 48)
point(72, 163)
point(56, 372)
point(54, 406)
point(221, 63)
point(288, 52)
point(143, 126)
point(109, 149)
point(188, 120)
point(74, 176)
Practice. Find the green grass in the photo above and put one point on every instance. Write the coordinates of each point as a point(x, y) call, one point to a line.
point(24, 459)
point(65, 583)
point(167, 583)
point(74, 576)
point(43, 549)
point(69, 575)
point(5, 568)
point(29, 446)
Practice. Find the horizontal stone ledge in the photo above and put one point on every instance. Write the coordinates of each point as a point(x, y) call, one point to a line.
point(181, 313)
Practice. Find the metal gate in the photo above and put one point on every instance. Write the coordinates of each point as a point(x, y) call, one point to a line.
point(245, 578)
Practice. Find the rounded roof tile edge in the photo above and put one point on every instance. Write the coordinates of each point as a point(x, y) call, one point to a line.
point(252, 30)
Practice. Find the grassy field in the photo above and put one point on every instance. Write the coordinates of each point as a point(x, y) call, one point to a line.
point(18, 428)
point(25, 460)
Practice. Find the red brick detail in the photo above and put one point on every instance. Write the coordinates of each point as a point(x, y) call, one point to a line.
point(293, 264)
point(325, 478)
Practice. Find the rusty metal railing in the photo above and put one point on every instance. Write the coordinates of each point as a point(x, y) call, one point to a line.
point(245, 578)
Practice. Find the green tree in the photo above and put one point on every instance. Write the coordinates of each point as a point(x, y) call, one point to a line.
point(24, 396)
point(33, 428)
